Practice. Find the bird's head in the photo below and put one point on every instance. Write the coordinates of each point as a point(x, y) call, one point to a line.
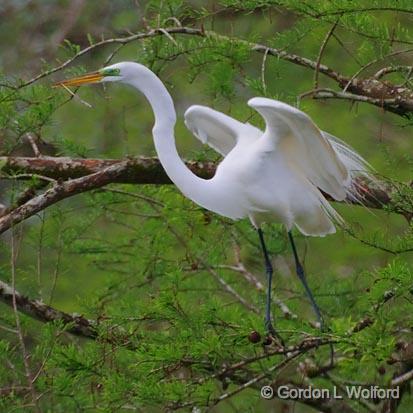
point(137, 76)
point(118, 72)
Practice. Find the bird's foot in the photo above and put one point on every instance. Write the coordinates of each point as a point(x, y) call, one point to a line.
point(272, 336)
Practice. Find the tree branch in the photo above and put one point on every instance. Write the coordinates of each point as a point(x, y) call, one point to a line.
point(139, 170)
point(379, 93)
point(83, 175)
point(78, 325)
point(61, 191)
point(83, 327)
point(167, 31)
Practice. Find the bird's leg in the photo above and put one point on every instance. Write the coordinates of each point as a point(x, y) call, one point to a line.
point(301, 275)
point(269, 271)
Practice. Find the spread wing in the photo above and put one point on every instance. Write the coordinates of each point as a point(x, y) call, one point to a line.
point(219, 131)
point(293, 134)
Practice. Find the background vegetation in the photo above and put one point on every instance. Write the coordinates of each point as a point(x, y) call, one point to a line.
point(132, 298)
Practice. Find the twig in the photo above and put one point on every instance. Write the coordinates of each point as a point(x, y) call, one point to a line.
point(302, 61)
point(320, 54)
point(368, 321)
point(134, 195)
point(371, 63)
point(25, 176)
point(168, 36)
point(231, 291)
point(174, 19)
point(330, 93)
point(257, 378)
point(348, 51)
point(112, 55)
point(361, 401)
point(57, 264)
point(253, 280)
point(391, 69)
point(208, 268)
point(14, 305)
point(316, 15)
point(264, 60)
point(77, 97)
point(356, 10)
point(33, 144)
point(403, 106)
point(402, 379)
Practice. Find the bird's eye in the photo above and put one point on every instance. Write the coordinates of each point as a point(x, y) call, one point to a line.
point(110, 72)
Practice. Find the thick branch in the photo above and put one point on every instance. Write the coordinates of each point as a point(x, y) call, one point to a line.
point(83, 175)
point(75, 324)
point(78, 325)
point(61, 191)
point(140, 170)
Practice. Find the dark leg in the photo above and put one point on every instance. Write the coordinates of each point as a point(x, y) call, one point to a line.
point(301, 275)
point(269, 271)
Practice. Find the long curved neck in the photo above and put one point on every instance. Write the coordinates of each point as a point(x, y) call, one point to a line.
point(161, 101)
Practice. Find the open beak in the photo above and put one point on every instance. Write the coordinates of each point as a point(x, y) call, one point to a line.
point(93, 77)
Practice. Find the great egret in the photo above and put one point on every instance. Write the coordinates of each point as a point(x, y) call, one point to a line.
point(276, 175)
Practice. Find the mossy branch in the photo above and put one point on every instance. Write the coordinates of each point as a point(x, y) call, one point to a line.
point(74, 176)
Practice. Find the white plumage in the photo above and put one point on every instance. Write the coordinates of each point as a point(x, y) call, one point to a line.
point(275, 175)
point(282, 170)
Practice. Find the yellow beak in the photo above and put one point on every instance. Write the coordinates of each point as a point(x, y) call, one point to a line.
point(93, 77)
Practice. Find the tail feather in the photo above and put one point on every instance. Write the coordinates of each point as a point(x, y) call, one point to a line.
point(320, 217)
point(357, 166)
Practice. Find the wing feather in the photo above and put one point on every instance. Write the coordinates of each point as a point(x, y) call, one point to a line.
point(221, 132)
point(295, 135)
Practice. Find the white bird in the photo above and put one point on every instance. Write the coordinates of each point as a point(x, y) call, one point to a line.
point(275, 175)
